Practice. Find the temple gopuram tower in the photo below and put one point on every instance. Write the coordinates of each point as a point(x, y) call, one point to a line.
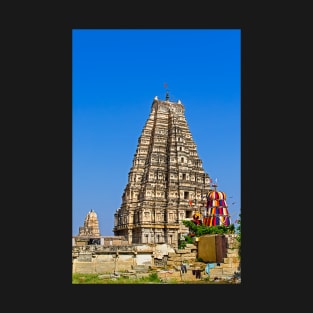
point(166, 183)
point(91, 225)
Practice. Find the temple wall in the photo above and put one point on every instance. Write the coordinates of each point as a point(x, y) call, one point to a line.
point(100, 259)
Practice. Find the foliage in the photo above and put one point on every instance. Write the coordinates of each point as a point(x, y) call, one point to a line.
point(238, 232)
point(182, 244)
point(199, 230)
point(153, 277)
point(188, 239)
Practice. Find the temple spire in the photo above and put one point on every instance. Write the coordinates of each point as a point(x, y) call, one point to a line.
point(167, 96)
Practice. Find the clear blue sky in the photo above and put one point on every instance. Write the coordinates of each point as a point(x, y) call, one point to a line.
point(116, 73)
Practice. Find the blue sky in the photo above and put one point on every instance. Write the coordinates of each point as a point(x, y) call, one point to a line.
point(116, 73)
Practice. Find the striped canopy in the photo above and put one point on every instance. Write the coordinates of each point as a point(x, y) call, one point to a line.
point(216, 209)
point(216, 195)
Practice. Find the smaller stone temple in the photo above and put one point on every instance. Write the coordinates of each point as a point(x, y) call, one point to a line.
point(89, 234)
point(91, 225)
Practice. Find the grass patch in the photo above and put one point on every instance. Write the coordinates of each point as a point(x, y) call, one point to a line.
point(98, 279)
point(153, 278)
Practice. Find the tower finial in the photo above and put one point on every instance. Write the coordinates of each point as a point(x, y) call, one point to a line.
point(167, 94)
point(215, 184)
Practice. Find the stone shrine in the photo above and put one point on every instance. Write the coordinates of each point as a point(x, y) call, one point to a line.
point(91, 225)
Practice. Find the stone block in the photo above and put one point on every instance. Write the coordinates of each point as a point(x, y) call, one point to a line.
point(228, 271)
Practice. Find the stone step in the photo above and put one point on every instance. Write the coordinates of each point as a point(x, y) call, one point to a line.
point(222, 272)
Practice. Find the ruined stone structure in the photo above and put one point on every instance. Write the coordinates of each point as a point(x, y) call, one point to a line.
point(137, 261)
point(166, 183)
point(91, 225)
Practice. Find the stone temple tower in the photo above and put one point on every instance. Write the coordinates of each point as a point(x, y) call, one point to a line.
point(91, 225)
point(166, 183)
